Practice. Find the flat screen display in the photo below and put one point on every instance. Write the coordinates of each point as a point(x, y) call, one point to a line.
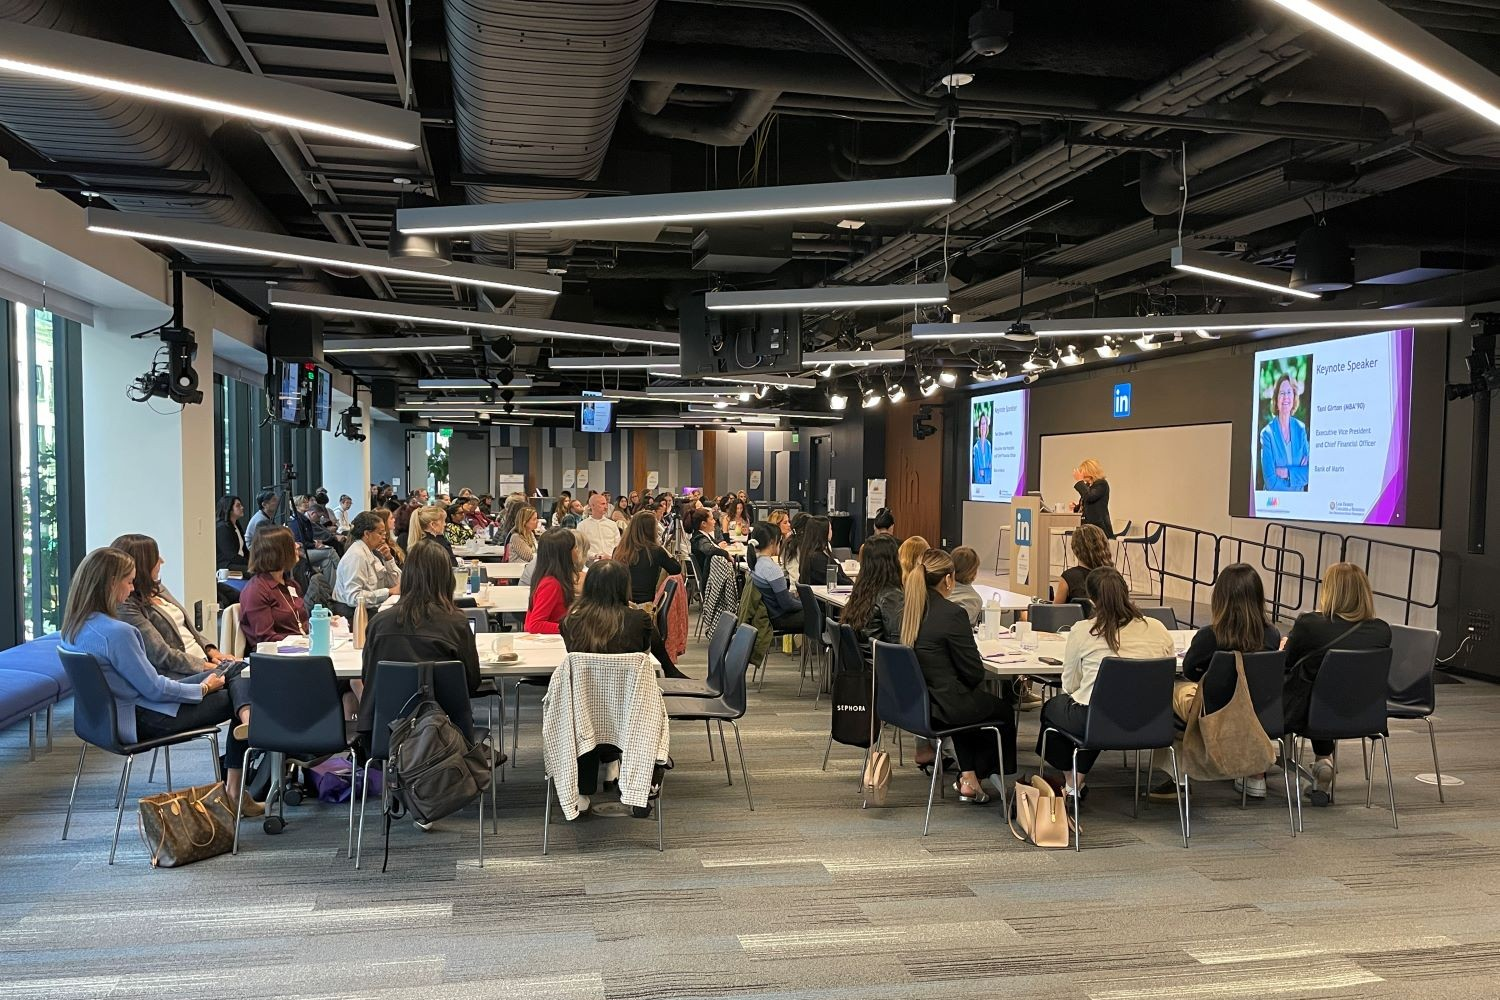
point(322, 416)
point(1331, 429)
point(289, 398)
point(596, 418)
point(997, 446)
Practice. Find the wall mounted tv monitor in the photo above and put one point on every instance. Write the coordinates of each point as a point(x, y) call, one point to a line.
point(596, 418)
point(997, 446)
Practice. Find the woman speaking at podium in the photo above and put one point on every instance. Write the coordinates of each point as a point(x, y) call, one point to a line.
point(1093, 496)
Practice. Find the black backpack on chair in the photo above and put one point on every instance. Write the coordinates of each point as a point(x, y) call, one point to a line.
point(433, 769)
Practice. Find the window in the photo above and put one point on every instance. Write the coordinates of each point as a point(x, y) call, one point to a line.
point(256, 452)
point(45, 449)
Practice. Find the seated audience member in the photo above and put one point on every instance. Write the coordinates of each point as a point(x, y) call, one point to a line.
point(877, 601)
point(701, 544)
point(562, 508)
point(304, 531)
point(1345, 619)
point(763, 551)
point(425, 625)
point(521, 543)
point(403, 515)
point(365, 576)
point(599, 534)
point(938, 632)
point(554, 581)
point(641, 553)
point(744, 498)
point(174, 647)
point(459, 530)
point(791, 545)
point(428, 523)
point(323, 521)
point(148, 704)
point(230, 550)
point(965, 569)
point(621, 511)
point(885, 522)
point(1091, 550)
point(1117, 629)
point(603, 620)
point(910, 551)
point(815, 556)
point(782, 522)
point(342, 519)
point(270, 607)
point(1238, 624)
point(572, 515)
point(392, 549)
point(265, 509)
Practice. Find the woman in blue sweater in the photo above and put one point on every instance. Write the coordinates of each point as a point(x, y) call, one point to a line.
point(782, 604)
point(148, 704)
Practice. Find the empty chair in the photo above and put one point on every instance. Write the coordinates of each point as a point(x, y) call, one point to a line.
point(94, 720)
point(729, 706)
point(479, 620)
point(1146, 544)
point(296, 709)
point(1349, 703)
point(814, 649)
point(902, 701)
point(718, 645)
point(1130, 709)
point(1054, 617)
point(1412, 693)
point(842, 554)
point(1166, 616)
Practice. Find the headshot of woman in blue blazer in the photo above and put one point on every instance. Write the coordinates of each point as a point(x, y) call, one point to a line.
point(1284, 448)
point(982, 455)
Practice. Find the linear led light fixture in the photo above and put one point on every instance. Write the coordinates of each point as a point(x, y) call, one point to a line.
point(496, 408)
point(1372, 319)
point(774, 381)
point(638, 362)
point(59, 57)
point(845, 297)
point(519, 382)
point(1380, 32)
point(688, 392)
point(667, 364)
point(388, 345)
point(274, 246)
point(779, 414)
point(788, 201)
point(854, 359)
point(1211, 265)
point(469, 319)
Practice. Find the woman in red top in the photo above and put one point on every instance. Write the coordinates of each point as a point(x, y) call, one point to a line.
point(554, 581)
point(270, 607)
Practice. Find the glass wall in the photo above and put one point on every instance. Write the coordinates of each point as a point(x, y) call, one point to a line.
point(256, 452)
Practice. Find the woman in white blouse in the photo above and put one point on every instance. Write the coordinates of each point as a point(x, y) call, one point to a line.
point(175, 648)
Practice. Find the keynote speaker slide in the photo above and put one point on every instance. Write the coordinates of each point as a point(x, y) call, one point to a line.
point(1330, 430)
point(997, 446)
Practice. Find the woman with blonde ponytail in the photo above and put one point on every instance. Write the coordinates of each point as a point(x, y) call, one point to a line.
point(938, 631)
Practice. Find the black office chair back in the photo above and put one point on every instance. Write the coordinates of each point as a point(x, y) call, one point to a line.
point(1131, 707)
point(842, 554)
point(1412, 692)
point(1348, 695)
point(93, 702)
point(718, 648)
point(812, 614)
point(479, 620)
point(295, 706)
point(736, 668)
point(1166, 616)
point(394, 683)
point(1053, 617)
point(901, 697)
point(1264, 671)
point(1085, 605)
point(848, 652)
point(664, 606)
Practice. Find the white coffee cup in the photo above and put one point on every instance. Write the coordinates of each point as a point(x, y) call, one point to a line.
point(1022, 632)
point(505, 642)
point(223, 575)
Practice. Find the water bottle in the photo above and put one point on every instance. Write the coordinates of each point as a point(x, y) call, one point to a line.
point(992, 611)
point(476, 576)
point(321, 645)
point(833, 574)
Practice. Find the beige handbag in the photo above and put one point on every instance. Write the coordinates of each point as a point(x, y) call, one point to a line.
point(1041, 813)
point(360, 624)
point(877, 777)
point(187, 825)
point(1229, 743)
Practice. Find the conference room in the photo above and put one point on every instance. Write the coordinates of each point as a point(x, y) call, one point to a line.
point(706, 497)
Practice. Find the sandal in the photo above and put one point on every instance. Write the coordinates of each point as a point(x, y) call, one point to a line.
point(978, 797)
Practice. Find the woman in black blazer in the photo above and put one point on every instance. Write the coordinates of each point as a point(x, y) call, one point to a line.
point(1093, 496)
point(230, 550)
point(938, 631)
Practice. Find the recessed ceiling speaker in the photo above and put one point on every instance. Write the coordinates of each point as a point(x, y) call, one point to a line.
point(990, 30)
point(1324, 261)
point(416, 250)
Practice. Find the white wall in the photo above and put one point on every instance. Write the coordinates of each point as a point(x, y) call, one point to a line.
point(346, 464)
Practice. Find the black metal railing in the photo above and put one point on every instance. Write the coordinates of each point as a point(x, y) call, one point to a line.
point(1331, 547)
point(1210, 552)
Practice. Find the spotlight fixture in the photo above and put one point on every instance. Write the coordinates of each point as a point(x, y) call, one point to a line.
point(745, 397)
point(1036, 361)
point(837, 398)
point(1106, 348)
point(895, 391)
point(721, 404)
point(1071, 356)
point(948, 377)
point(927, 384)
point(1147, 342)
point(870, 396)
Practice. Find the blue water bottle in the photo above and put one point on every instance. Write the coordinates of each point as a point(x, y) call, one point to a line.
point(476, 576)
point(321, 645)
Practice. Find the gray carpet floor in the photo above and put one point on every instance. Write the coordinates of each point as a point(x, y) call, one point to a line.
point(806, 896)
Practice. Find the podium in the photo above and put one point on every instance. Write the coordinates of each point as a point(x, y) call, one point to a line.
point(1032, 528)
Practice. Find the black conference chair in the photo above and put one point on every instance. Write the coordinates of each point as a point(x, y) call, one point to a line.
point(489, 688)
point(814, 650)
point(713, 687)
point(843, 554)
point(95, 722)
point(1349, 703)
point(1166, 616)
point(664, 607)
point(1413, 693)
point(729, 706)
point(296, 710)
point(1053, 617)
point(1265, 672)
point(902, 701)
point(1130, 709)
point(393, 686)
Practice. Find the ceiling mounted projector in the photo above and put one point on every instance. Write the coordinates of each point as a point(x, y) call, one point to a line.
point(1324, 261)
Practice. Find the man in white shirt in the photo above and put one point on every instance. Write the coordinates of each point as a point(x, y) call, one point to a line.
point(367, 573)
point(600, 535)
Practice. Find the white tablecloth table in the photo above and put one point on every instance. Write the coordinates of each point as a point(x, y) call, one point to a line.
point(503, 570)
point(512, 599)
point(539, 655)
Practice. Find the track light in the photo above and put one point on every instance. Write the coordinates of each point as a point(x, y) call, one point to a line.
point(1147, 342)
point(721, 404)
point(948, 377)
point(745, 397)
point(894, 391)
point(870, 396)
point(927, 384)
point(1106, 348)
point(1036, 361)
point(837, 398)
point(1071, 356)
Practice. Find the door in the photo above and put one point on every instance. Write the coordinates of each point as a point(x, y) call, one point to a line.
point(817, 476)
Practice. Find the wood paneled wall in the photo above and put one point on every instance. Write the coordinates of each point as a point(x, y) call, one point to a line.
point(914, 473)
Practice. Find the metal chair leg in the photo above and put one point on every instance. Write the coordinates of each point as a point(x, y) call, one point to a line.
point(709, 729)
point(1184, 802)
point(49, 729)
point(515, 738)
point(1390, 786)
point(166, 761)
point(744, 771)
point(658, 824)
point(546, 813)
point(31, 736)
point(120, 808)
point(364, 801)
point(239, 802)
point(1077, 826)
point(937, 770)
point(68, 818)
point(826, 752)
point(1286, 779)
point(723, 747)
point(354, 770)
point(213, 748)
point(1436, 768)
point(151, 772)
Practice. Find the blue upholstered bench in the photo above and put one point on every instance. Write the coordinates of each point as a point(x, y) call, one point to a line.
point(32, 680)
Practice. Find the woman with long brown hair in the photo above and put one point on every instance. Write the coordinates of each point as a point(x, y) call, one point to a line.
point(815, 554)
point(640, 552)
point(876, 603)
point(1117, 629)
point(174, 647)
point(148, 704)
point(270, 606)
point(521, 540)
point(938, 632)
point(1091, 549)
